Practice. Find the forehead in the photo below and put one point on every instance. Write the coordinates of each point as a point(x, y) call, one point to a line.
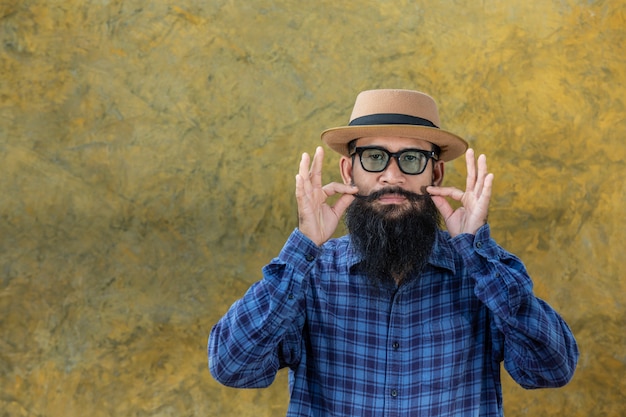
point(394, 143)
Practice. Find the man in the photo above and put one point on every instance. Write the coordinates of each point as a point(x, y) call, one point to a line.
point(399, 318)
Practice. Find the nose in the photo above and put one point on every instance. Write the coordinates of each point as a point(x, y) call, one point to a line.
point(392, 174)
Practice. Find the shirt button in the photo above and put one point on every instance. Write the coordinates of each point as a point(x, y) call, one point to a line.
point(394, 393)
point(479, 245)
point(395, 345)
point(309, 257)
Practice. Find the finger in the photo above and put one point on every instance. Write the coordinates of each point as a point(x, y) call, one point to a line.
point(342, 204)
point(337, 187)
point(443, 206)
point(301, 199)
point(302, 196)
point(451, 192)
point(488, 186)
point(303, 170)
point(346, 198)
point(316, 167)
point(480, 177)
point(470, 162)
point(303, 183)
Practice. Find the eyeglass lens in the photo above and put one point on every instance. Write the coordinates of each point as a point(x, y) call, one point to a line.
point(376, 160)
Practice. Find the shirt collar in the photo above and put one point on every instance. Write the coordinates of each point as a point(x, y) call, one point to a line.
point(442, 255)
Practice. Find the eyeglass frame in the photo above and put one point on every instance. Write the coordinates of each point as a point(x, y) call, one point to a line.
point(395, 155)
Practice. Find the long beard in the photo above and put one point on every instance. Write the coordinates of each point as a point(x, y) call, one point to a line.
point(395, 242)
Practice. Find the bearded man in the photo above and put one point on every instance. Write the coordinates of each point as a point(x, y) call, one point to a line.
point(400, 317)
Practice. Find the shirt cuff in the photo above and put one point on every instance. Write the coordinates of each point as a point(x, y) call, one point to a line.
point(299, 251)
point(481, 243)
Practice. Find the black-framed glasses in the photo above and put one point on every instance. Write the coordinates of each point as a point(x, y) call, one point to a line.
point(410, 161)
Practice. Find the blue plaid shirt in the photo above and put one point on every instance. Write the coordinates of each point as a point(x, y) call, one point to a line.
point(431, 347)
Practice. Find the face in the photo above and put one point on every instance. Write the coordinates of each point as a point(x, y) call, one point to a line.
point(392, 176)
point(394, 231)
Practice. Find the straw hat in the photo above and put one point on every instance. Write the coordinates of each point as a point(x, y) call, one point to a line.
point(402, 113)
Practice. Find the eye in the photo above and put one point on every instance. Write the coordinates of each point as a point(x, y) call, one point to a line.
point(412, 157)
point(375, 155)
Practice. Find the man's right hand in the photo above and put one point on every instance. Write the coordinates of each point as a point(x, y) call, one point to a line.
point(318, 220)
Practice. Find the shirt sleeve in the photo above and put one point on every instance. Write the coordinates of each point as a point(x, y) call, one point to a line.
point(539, 349)
point(261, 332)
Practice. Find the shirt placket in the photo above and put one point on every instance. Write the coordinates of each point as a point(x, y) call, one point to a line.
point(394, 386)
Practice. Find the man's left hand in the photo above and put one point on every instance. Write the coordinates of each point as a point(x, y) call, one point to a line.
point(472, 215)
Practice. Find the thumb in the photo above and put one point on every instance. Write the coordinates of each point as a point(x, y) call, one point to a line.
point(443, 206)
point(342, 204)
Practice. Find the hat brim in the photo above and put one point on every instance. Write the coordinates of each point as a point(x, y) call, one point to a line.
point(452, 146)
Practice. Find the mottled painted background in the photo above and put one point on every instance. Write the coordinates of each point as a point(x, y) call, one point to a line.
point(147, 160)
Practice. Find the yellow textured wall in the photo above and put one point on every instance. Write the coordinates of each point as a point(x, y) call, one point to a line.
point(147, 157)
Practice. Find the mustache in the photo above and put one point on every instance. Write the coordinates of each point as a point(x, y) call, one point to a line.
point(409, 195)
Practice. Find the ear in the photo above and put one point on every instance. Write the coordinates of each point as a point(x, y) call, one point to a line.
point(438, 172)
point(345, 166)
